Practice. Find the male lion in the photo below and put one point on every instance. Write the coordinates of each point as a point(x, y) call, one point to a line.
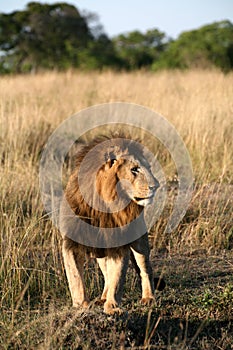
point(106, 192)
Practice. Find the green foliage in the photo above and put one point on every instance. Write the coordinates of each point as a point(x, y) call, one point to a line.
point(98, 54)
point(139, 50)
point(211, 45)
point(49, 36)
point(58, 36)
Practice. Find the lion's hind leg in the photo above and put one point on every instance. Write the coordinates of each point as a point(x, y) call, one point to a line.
point(73, 262)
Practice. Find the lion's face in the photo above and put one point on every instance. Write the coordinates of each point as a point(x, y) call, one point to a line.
point(134, 176)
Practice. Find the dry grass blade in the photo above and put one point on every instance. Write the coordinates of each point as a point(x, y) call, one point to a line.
point(195, 310)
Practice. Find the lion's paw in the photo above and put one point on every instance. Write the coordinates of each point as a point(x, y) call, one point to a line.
point(112, 308)
point(148, 300)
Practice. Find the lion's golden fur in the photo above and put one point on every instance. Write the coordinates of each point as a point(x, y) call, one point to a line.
point(119, 159)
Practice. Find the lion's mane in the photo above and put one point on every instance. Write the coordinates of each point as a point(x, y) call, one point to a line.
point(80, 205)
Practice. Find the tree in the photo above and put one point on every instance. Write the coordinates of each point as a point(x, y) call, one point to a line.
point(47, 36)
point(139, 50)
point(211, 45)
point(59, 36)
point(99, 53)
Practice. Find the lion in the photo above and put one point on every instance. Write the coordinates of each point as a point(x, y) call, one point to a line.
point(111, 184)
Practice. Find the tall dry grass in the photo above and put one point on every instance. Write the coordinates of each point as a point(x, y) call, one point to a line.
point(200, 106)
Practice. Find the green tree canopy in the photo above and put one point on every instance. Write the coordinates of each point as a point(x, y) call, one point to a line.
point(211, 45)
point(49, 36)
point(59, 36)
point(139, 50)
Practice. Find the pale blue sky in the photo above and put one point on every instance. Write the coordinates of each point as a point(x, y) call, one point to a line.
point(170, 16)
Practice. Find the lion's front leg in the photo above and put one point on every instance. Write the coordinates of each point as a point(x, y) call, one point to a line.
point(74, 262)
point(116, 272)
point(141, 252)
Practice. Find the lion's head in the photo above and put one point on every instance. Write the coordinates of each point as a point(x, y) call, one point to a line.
point(111, 174)
point(126, 174)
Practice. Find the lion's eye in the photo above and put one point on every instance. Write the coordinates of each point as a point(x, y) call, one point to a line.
point(135, 170)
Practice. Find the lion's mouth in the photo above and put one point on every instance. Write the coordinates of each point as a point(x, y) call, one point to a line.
point(144, 200)
point(138, 199)
point(141, 199)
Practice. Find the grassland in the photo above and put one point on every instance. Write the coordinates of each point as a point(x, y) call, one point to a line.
point(195, 311)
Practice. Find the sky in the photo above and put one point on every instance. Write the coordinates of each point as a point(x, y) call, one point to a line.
point(169, 16)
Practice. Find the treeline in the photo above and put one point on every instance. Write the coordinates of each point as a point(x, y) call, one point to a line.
point(58, 36)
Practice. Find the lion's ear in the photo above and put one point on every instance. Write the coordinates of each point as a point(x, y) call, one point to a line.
point(110, 158)
point(112, 162)
point(109, 163)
